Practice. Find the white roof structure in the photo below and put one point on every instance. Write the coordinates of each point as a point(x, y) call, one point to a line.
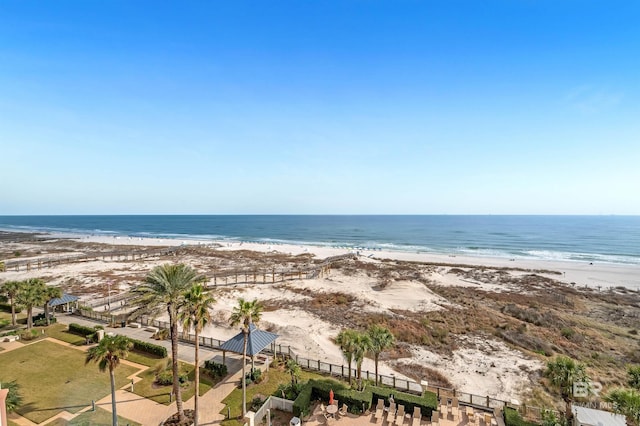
point(590, 417)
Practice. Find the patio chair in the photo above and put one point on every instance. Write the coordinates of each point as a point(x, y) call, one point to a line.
point(487, 419)
point(455, 412)
point(380, 404)
point(343, 410)
point(391, 414)
point(399, 420)
point(379, 411)
point(417, 416)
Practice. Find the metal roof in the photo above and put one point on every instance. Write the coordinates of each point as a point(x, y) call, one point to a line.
point(258, 340)
point(590, 417)
point(66, 298)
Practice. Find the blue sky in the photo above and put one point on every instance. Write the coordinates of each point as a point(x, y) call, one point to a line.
point(417, 107)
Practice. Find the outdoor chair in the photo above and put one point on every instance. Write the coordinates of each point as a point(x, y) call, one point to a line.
point(379, 411)
point(417, 416)
point(455, 412)
point(380, 404)
point(391, 415)
point(399, 420)
point(487, 419)
point(343, 410)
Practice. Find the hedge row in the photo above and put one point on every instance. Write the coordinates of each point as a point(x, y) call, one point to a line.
point(361, 400)
point(302, 404)
point(81, 329)
point(6, 307)
point(149, 348)
point(512, 418)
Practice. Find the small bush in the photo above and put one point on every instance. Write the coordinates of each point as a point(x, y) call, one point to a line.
point(215, 370)
point(29, 335)
point(43, 322)
point(254, 376)
point(149, 348)
point(567, 332)
point(512, 418)
point(81, 329)
point(165, 377)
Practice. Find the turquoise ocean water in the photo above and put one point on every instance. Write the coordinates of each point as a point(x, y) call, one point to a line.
point(610, 239)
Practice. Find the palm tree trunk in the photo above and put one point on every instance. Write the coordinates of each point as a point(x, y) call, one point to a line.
point(13, 312)
point(174, 363)
point(46, 313)
point(244, 381)
point(376, 362)
point(349, 361)
point(114, 414)
point(195, 400)
point(29, 317)
point(567, 409)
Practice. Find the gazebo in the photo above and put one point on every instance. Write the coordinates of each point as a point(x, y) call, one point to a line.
point(256, 342)
point(65, 301)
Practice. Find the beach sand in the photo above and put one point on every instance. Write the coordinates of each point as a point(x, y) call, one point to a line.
point(480, 365)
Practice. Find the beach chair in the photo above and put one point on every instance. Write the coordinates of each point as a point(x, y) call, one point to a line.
point(417, 417)
point(391, 414)
point(435, 418)
point(379, 411)
point(487, 419)
point(343, 410)
point(455, 412)
point(399, 420)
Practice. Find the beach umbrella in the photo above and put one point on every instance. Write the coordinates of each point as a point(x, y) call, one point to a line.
point(331, 397)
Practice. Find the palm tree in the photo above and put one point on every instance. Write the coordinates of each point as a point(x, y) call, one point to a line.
point(627, 403)
point(32, 293)
point(293, 368)
point(108, 354)
point(11, 289)
point(381, 340)
point(14, 399)
point(563, 372)
point(346, 341)
point(246, 313)
point(362, 345)
point(164, 288)
point(50, 293)
point(196, 315)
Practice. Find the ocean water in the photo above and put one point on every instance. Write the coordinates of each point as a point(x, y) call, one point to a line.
point(610, 239)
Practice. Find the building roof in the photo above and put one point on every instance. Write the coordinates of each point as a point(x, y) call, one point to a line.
point(66, 298)
point(589, 416)
point(258, 340)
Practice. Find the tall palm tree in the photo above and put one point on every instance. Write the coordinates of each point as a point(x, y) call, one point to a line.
point(195, 314)
point(346, 341)
point(627, 403)
point(563, 372)
point(50, 293)
point(362, 345)
point(164, 288)
point(32, 293)
point(108, 354)
point(381, 340)
point(246, 313)
point(11, 289)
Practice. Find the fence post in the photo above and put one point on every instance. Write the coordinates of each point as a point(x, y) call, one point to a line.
point(318, 365)
point(342, 370)
point(394, 381)
point(487, 400)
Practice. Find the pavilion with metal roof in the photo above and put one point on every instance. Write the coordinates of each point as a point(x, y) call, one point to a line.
point(64, 301)
point(257, 341)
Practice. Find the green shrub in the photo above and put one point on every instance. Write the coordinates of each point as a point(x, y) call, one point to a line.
point(567, 332)
point(81, 329)
point(354, 399)
point(41, 322)
point(255, 375)
point(512, 418)
point(149, 348)
point(427, 402)
point(214, 369)
point(29, 335)
point(165, 377)
point(302, 404)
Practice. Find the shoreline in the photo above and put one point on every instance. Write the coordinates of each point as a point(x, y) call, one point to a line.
point(598, 275)
point(589, 274)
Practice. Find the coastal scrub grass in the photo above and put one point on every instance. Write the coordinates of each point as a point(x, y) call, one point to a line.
point(53, 378)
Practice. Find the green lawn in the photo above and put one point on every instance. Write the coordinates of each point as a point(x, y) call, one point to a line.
point(267, 387)
point(143, 358)
point(100, 417)
point(148, 389)
point(54, 378)
point(59, 331)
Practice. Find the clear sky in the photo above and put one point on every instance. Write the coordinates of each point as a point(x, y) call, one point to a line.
point(422, 107)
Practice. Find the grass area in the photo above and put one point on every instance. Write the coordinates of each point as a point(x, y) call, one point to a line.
point(143, 358)
point(59, 331)
point(54, 378)
point(100, 417)
point(149, 389)
point(267, 387)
